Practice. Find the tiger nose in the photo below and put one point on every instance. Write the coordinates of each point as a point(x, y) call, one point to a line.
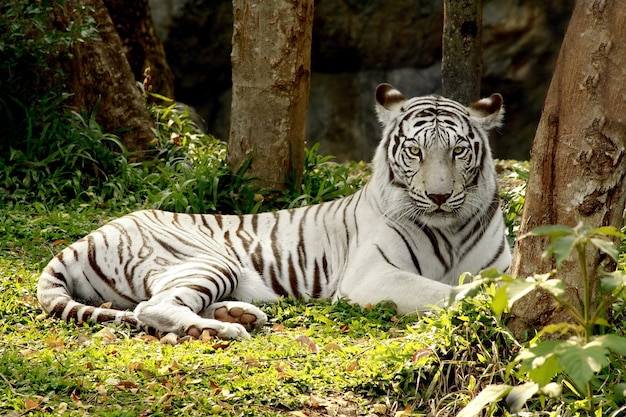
point(439, 199)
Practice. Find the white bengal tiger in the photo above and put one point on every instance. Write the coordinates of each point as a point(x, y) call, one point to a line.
point(429, 213)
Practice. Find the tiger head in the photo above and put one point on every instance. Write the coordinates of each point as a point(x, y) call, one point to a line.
point(434, 162)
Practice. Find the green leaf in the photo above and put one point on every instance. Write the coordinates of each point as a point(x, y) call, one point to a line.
point(520, 394)
point(543, 369)
point(541, 348)
point(607, 231)
point(561, 248)
point(581, 363)
point(612, 281)
point(605, 246)
point(467, 290)
point(552, 390)
point(612, 342)
point(539, 361)
point(500, 301)
point(492, 273)
point(491, 394)
point(562, 328)
point(619, 391)
point(555, 287)
point(552, 230)
point(518, 289)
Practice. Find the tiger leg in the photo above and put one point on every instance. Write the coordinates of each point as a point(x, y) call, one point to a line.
point(410, 292)
point(173, 311)
point(250, 289)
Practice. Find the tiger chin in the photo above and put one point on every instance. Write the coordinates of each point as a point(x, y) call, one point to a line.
point(429, 213)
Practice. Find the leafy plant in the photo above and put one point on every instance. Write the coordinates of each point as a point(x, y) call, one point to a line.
point(582, 356)
point(29, 45)
point(324, 180)
point(513, 192)
point(71, 157)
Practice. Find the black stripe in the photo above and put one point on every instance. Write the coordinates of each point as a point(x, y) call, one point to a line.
point(409, 248)
point(301, 248)
point(317, 284)
point(218, 220)
point(256, 257)
point(58, 309)
point(276, 286)
point(293, 277)
point(380, 251)
point(480, 225)
point(434, 241)
point(503, 246)
point(93, 263)
point(396, 144)
point(345, 222)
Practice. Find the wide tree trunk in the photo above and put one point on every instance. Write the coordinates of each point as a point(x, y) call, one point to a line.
point(462, 60)
point(271, 67)
point(101, 79)
point(142, 46)
point(578, 167)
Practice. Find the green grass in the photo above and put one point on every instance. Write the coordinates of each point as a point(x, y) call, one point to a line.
point(316, 357)
point(313, 358)
point(62, 176)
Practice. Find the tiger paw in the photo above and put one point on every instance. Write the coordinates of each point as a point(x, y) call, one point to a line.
point(246, 314)
point(218, 329)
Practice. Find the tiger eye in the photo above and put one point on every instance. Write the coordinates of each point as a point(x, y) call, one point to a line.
point(458, 150)
point(415, 150)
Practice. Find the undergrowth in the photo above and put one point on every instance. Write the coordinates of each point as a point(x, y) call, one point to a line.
point(62, 175)
point(314, 358)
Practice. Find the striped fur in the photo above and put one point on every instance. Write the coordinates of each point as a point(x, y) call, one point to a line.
point(429, 213)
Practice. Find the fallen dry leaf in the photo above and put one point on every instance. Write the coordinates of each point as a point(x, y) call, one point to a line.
point(421, 353)
point(55, 343)
point(352, 366)
point(106, 334)
point(332, 346)
point(135, 366)
point(102, 390)
point(308, 343)
point(30, 404)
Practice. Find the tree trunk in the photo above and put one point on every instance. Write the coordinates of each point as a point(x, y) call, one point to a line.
point(142, 46)
point(101, 78)
point(578, 165)
point(462, 61)
point(271, 67)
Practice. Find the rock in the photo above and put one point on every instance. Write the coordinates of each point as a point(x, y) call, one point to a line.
point(357, 45)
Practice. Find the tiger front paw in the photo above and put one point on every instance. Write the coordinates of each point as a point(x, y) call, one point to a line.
point(248, 315)
point(218, 329)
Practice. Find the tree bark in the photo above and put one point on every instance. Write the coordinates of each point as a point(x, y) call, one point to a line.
point(101, 79)
point(271, 74)
point(142, 46)
point(578, 167)
point(462, 60)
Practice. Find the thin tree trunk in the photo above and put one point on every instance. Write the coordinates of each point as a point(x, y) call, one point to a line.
point(578, 156)
point(142, 46)
point(462, 61)
point(101, 78)
point(271, 74)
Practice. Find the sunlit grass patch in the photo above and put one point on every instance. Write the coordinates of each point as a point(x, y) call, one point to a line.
point(315, 356)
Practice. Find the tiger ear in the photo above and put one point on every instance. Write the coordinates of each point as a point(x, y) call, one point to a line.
point(389, 102)
point(488, 112)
